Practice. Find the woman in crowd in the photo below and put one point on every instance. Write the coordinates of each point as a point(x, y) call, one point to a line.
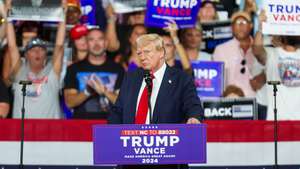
point(207, 12)
point(191, 39)
point(78, 42)
point(128, 57)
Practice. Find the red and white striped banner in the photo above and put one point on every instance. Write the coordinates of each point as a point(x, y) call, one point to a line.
point(69, 142)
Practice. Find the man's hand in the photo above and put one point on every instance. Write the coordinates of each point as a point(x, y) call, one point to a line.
point(258, 81)
point(95, 83)
point(64, 5)
point(193, 120)
point(109, 11)
point(262, 18)
point(250, 6)
point(172, 28)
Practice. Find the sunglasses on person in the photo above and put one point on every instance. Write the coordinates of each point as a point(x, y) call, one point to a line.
point(241, 22)
point(243, 63)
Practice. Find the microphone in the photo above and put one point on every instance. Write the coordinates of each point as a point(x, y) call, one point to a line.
point(148, 80)
point(273, 82)
point(25, 82)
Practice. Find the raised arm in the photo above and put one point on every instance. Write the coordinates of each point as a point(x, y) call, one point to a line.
point(2, 26)
point(184, 59)
point(6, 69)
point(13, 49)
point(258, 46)
point(111, 30)
point(59, 44)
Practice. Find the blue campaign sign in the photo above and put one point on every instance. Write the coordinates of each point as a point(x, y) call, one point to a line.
point(150, 144)
point(183, 12)
point(215, 33)
point(209, 78)
point(88, 12)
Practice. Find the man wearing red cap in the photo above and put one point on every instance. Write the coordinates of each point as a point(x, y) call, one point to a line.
point(91, 85)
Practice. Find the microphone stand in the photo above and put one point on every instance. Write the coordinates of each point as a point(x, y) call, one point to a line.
point(275, 124)
point(149, 84)
point(22, 123)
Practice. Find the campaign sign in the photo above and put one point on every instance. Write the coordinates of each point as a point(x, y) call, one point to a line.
point(88, 12)
point(209, 78)
point(214, 34)
point(230, 108)
point(36, 10)
point(283, 17)
point(128, 6)
point(183, 12)
point(150, 144)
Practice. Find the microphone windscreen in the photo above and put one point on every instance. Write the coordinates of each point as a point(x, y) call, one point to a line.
point(25, 82)
point(273, 82)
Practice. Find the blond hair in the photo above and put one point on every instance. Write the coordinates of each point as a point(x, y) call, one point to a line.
point(152, 38)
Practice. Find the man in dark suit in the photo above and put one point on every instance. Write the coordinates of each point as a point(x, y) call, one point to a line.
point(173, 97)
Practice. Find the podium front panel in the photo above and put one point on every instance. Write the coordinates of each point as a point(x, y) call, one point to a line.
point(149, 144)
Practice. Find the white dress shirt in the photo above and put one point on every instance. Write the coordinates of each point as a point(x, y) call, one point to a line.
point(158, 77)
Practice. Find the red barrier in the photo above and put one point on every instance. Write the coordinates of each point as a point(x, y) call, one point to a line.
point(81, 130)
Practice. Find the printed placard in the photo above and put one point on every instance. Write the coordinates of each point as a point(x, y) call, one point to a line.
point(128, 6)
point(183, 12)
point(36, 10)
point(149, 144)
point(283, 17)
point(230, 108)
point(214, 34)
point(88, 12)
point(209, 78)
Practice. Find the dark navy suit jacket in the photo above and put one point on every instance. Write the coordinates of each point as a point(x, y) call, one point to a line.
point(177, 98)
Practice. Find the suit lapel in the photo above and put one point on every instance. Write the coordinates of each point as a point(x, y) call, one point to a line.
point(164, 92)
point(137, 82)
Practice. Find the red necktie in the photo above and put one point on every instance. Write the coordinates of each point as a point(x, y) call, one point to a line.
point(142, 110)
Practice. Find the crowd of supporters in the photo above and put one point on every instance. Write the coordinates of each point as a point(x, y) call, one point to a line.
point(77, 73)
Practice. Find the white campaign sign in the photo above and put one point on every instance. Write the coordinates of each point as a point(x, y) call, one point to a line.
point(283, 17)
point(36, 10)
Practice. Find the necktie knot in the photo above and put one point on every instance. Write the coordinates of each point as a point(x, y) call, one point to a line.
point(142, 110)
point(152, 76)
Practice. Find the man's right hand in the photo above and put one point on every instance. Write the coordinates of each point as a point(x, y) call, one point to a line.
point(262, 18)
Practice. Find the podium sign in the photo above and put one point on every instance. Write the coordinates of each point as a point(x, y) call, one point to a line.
point(230, 109)
point(209, 78)
point(149, 144)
